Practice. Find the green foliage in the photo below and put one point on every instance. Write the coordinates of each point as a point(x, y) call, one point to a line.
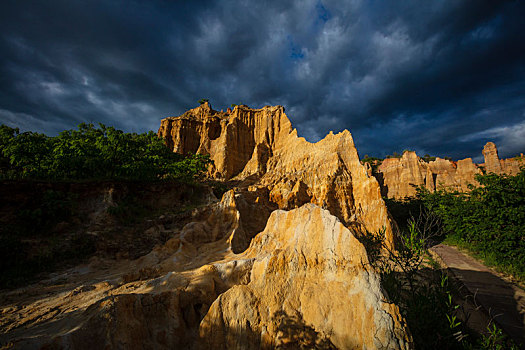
point(394, 155)
point(203, 100)
point(427, 158)
point(425, 295)
point(418, 291)
point(373, 161)
point(496, 340)
point(490, 219)
point(94, 153)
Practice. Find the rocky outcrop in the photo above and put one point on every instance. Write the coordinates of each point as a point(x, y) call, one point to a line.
point(259, 147)
point(498, 166)
point(492, 163)
point(327, 296)
point(399, 177)
point(303, 282)
point(241, 274)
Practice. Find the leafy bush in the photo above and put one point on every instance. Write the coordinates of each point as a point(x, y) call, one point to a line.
point(425, 295)
point(394, 155)
point(418, 290)
point(373, 161)
point(93, 153)
point(490, 219)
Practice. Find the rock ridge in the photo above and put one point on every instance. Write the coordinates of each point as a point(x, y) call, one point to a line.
point(303, 282)
point(259, 147)
point(399, 177)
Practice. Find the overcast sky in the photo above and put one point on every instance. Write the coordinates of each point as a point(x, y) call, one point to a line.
point(438, 77)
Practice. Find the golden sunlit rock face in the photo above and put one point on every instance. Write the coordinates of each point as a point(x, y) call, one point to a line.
point(260, 148)
point(310, 285)
point(274, 263)
point(399, 177)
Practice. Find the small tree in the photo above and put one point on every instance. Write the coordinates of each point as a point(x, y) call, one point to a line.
point(203, 100)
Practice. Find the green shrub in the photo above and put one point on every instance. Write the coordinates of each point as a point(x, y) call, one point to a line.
point(417, 290)
point(94, 153)
point(490, 220)
point(425, 295)
point(373, 161)
point(427, 158)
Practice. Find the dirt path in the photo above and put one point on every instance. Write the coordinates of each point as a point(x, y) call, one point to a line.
point(504, 301)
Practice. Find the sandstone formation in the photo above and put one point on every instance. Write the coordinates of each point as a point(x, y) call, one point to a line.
point(303, 282)
point(492, 162)
point(399, 177)
point(259, 147)
point(243, 273)
point(327, 297)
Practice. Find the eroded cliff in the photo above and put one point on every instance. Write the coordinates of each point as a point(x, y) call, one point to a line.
point(259, 147)
point(304, 281)
point(399, 177)
point(242, 274)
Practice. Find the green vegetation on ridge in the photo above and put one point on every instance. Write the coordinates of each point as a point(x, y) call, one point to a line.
point(44, 220)
point(93, 153)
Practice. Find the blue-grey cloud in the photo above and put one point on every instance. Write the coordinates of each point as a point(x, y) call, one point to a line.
point(438, 77)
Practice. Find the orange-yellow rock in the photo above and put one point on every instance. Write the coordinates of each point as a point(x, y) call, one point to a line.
point(310, 286)
point(399, 177)
point(259, 146)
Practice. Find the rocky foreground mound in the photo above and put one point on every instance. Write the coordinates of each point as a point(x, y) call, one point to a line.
point(399, 177)
point(309, 285)
point(242, 274)
point(303, 282)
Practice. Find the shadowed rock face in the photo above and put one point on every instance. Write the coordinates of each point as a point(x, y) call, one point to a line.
point(259, 146)
point(399, 177)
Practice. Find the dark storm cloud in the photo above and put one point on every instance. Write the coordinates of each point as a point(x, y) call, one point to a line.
point(438, 77)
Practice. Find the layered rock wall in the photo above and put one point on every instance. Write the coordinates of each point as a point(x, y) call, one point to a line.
point(399, 177)
point(259, 146)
